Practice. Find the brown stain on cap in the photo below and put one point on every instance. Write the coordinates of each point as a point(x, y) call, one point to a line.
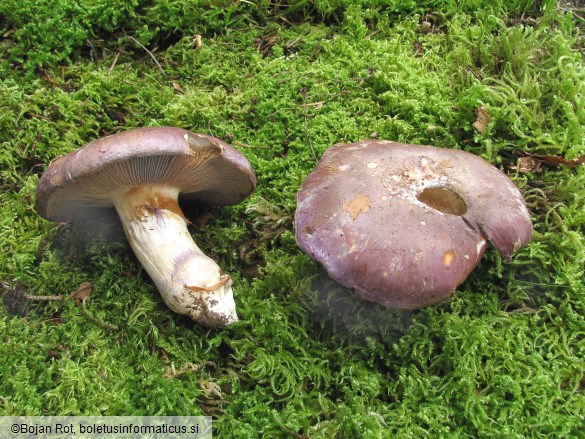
point(448, 258)
point(359, 204)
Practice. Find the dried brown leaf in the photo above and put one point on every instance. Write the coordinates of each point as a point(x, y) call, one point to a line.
point(556, 160)
point(82, 294)
point(531, 162)
point(528, 164)
point(483, 119)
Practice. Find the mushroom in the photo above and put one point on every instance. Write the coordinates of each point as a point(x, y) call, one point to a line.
point(141, 173)
point(404, 225)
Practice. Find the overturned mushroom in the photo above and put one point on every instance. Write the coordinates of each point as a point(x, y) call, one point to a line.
point(141, 173)
point(404, 225)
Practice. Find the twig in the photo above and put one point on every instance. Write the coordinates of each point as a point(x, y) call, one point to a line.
point(149, 53)
point(111, 69)
point(44, 298)
point(243, 145)
point(173, 373)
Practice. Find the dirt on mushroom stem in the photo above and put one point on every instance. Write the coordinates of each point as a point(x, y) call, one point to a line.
point(189, 282)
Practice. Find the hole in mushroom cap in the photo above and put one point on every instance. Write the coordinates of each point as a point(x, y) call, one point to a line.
point(444, 200)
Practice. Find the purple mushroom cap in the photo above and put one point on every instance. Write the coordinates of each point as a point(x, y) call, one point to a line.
point(404, 225)
point(207, 170)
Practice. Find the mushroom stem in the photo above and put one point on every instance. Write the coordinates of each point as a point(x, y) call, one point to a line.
point(189, 282)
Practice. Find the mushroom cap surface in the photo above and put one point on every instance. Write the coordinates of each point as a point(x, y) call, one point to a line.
point(403, 224)
point(205, 169)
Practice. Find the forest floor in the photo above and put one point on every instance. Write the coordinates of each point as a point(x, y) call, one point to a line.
point(505, 357)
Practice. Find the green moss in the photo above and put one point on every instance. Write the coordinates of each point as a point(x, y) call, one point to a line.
point(503, 358)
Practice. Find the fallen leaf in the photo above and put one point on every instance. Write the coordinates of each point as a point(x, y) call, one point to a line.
point(556, 160)
point(82, 294)
point(528, 164)
point(177, 86)
point(483, 119)
point(360, 204)
point(528, 160)
point(197, 41)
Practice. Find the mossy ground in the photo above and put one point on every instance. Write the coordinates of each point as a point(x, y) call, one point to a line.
point(504, 358)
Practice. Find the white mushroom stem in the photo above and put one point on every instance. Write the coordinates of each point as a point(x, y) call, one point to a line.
point(189, 282)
